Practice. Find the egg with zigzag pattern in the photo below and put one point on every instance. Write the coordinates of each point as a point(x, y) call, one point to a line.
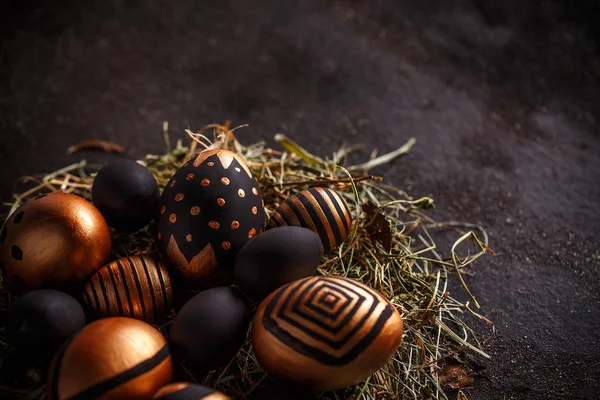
point(209, 209)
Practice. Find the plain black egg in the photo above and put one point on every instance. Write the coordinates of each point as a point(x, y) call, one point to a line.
point(39, 322)
point(276, 257)
point(126, 194)
point(210, 328)
point(273, 389)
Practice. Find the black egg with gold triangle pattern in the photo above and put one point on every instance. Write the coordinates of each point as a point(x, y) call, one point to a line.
point(209, 209)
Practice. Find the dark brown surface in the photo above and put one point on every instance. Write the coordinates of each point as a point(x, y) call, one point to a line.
point(502, 97)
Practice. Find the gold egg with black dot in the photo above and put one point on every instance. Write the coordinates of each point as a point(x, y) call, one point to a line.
point(53, 241)
point(322, 210)
point(209, 209)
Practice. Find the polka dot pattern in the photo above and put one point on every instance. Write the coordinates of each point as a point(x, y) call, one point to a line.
point(19, 217)
point(215, 210)
point(16, 252)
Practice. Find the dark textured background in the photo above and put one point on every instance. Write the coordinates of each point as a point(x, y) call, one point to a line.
point(502, 96)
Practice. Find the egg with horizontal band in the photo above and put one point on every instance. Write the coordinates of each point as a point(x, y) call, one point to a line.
point(188, 391)
point(209, 209)
point(210, 328)
point(325, 333)
point(135, 286)
point(322, 210)
point(112, 358)
point(53, 241)
point(39, 322)
point(276, 257)
point(127, 194)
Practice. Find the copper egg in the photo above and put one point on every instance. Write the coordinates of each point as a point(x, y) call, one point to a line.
point(137, 287)
point(54, 241)
point(325, 333)
point(322, 210)
point(209, 209)
point(112, 358)
point(187, 391)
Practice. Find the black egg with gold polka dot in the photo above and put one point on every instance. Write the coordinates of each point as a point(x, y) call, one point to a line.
point(209, 209)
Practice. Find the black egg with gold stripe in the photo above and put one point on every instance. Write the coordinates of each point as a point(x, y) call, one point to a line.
point(136, 287)
point(111, 359)
point(322, 210)
point(188, 391)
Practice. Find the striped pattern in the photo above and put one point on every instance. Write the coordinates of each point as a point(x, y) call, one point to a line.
point(138, 365)
point(136, 287)
point(319, 209)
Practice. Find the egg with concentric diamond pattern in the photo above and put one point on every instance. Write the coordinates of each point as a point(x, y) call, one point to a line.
point(325, 333)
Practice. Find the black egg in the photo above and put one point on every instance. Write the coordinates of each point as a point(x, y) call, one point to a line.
point(210, 328)
point(39, 322)
point(209, 209)
point(126, 194)
point(276, 257)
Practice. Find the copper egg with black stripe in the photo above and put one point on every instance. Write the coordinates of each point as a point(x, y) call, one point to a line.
point(209, 209)
point(325, 333)
point(136, 286)
point(320, 209)
point(188, 391)
point(110, 359)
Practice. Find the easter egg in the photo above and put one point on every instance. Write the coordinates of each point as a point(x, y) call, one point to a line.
point(112, 358)
point(188, 391)
point(210, 328)
point(53, 241)
point(276, 257)
point(127, 194)
point(210, 208)
point(322, 210)
point(325, 333)
point(39, 322)
point(136, 287)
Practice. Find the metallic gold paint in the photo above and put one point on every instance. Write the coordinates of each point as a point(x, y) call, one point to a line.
point(62, 239)
point(102, 353)
point(325, 333)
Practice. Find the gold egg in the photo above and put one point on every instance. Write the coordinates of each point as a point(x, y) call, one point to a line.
point(185, 391)
point(322, 210)
point(110, 359)
point(325, 333)
point(55, 240)
point(137, 287)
